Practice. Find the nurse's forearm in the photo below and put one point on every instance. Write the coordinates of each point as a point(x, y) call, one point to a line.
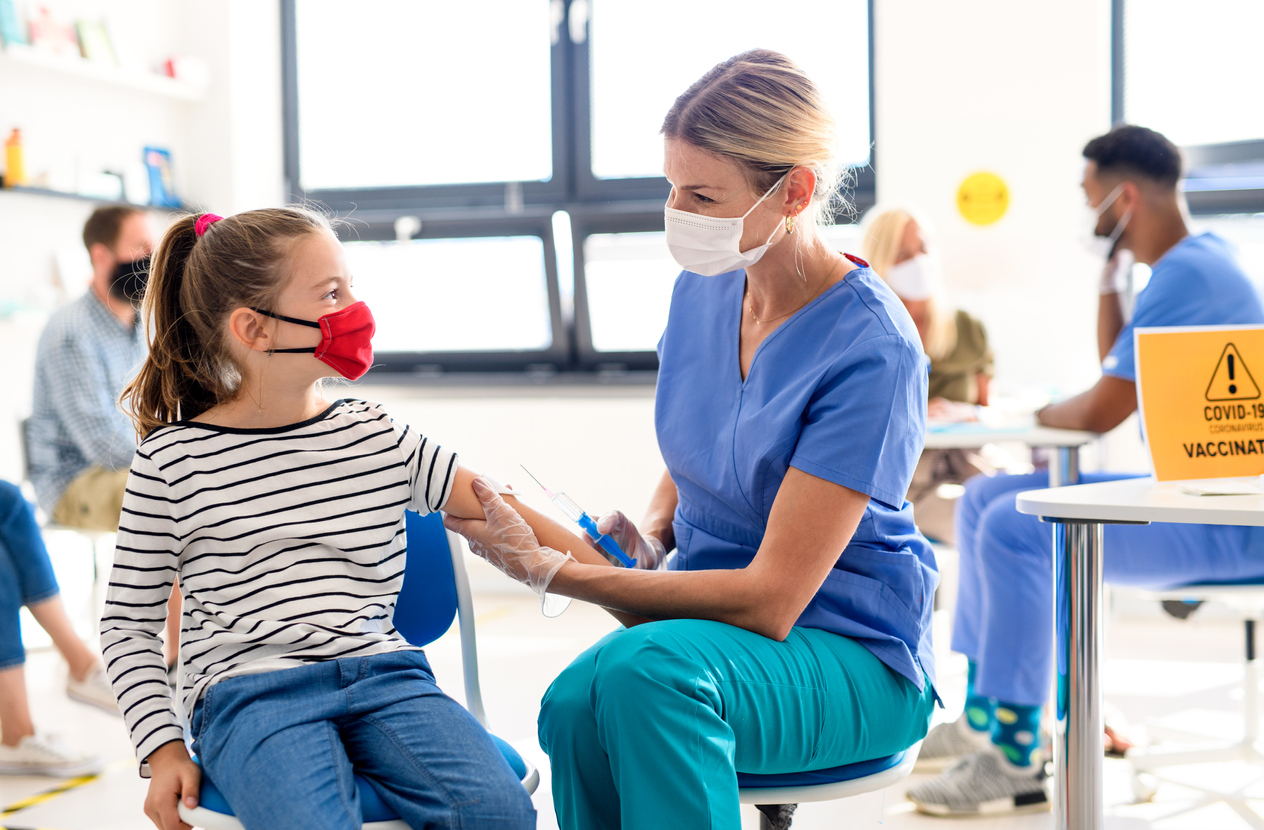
point(1110, 321)
point(727, 596)
point(661, 512)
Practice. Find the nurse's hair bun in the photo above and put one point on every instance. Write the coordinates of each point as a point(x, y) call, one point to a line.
point(760, 109)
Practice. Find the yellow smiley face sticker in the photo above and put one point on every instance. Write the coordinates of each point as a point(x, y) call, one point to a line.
point(982, 198)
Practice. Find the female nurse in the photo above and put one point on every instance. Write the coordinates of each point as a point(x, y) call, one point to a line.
point(791, 631)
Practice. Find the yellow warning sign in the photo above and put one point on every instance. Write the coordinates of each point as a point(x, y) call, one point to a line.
point(1232, 380)
point(1196, 427)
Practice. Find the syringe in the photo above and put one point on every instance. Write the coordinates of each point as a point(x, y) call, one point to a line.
point(577, 515)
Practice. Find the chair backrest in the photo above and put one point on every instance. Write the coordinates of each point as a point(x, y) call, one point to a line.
point(427, 603)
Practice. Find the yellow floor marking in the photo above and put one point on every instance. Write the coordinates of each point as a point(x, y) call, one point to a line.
point(49, 794)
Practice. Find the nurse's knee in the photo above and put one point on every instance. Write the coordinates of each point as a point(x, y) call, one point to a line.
point(641, 666)
point(566, 705)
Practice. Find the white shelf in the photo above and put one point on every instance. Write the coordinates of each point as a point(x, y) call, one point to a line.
point(115, 76)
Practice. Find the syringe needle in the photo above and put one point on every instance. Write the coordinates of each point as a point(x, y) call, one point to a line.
point(546, 490)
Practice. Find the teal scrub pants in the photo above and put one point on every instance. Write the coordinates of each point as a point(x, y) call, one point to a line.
point(648, 728)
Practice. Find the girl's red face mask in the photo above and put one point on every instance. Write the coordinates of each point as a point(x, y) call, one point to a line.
point(345, 342)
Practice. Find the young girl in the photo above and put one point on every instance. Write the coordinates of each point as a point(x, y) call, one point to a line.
point(282, 514)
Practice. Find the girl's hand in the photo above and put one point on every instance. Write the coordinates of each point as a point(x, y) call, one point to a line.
point(173, 776)
point(648, 551)
point(507, 541)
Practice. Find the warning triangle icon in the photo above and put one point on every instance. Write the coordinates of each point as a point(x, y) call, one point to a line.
point(1232, 381)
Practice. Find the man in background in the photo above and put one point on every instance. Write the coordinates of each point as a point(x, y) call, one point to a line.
point(1004, 618)
point(79, 442)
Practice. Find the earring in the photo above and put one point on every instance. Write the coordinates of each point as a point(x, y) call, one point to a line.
point(790, 223)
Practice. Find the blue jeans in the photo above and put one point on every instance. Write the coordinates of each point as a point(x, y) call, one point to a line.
point(1004, 617)
point(26, 575)
point(649, 727)
point(282, 747)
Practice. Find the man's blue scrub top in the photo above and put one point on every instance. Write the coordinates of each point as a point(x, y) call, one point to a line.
point(838, 391)
point(1196, 283)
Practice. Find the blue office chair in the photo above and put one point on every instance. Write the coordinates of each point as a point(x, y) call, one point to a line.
point(825, 784)
point(435, 589)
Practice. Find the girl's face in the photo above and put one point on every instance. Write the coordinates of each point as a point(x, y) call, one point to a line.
point(319, 284)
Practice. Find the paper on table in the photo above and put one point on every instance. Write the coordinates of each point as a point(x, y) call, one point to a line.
point(1245, 486)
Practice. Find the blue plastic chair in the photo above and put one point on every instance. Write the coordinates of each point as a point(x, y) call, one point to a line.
point(436, 589)
point(826, 784)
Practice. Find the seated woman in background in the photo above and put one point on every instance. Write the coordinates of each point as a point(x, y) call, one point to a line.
point(955, 342)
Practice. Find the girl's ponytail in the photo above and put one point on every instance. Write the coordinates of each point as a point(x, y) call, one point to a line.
point(166, 389)
point(195, 282)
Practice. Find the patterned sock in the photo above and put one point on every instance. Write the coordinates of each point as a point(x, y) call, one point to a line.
point(980, 710)
point(1017, 732)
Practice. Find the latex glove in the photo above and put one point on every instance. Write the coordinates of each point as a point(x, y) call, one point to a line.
point(1115, 274)
point(648, 552)
point(508, 542)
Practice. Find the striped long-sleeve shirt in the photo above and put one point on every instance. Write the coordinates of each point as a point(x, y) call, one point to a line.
point(289, 544)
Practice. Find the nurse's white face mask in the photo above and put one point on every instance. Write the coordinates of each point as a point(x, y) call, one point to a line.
point(1103, 246)
point(710, 245)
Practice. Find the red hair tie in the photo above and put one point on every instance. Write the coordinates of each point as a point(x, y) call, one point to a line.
point(205, 221)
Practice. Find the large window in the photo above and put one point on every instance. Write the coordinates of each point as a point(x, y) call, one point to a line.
point(458, 137)
point(1191, 71)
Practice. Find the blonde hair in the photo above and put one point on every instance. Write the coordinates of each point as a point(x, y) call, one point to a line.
point(760, 110)
point(881, 235)
point(195, 282)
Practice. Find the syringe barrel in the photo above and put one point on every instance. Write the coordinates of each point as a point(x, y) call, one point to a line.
point(568, 507)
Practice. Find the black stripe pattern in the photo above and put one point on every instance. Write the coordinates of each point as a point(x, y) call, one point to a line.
point(288, 543)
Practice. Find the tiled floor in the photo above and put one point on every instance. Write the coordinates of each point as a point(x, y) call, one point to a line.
point(1183, 676)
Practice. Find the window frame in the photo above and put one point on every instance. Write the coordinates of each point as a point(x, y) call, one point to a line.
point(1209, 168)
point(503, 208)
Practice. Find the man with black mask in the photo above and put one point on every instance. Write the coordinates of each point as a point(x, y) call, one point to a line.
point(79, 441)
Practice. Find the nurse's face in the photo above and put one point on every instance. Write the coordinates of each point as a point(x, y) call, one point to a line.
point(711, 185)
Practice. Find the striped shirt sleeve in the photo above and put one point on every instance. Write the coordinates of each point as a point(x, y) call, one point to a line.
point(431, 469)
point(146, 558)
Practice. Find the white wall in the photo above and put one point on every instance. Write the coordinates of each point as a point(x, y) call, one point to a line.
point(226, 150)
point(1015, 89)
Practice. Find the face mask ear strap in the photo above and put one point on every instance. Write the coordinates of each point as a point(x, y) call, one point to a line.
point(770, 191)
point(282, 317)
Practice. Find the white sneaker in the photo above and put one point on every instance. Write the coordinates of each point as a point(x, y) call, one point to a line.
point(93, 690)
point(947, 743)
point(45, 755)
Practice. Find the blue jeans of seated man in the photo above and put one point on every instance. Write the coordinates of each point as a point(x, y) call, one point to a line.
point(1004, 616)
point(647, 729)
point(26, 575)
point(282, 746)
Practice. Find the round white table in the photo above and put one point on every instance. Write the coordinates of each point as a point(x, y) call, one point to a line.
point(1064, 462)
point(1078, 514)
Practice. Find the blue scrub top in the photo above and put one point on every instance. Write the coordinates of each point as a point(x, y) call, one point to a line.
point(838, 391)
point(1196, 283)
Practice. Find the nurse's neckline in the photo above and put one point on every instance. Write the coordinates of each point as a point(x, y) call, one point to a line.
point(859, 264)
point(750, 299)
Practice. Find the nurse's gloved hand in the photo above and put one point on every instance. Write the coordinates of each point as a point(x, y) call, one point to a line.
point(1116, 272)
point(508, 542)
point(648, 552)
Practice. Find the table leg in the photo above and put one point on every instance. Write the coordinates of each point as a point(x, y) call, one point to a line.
point(1064, 466)
point(1077, 744)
